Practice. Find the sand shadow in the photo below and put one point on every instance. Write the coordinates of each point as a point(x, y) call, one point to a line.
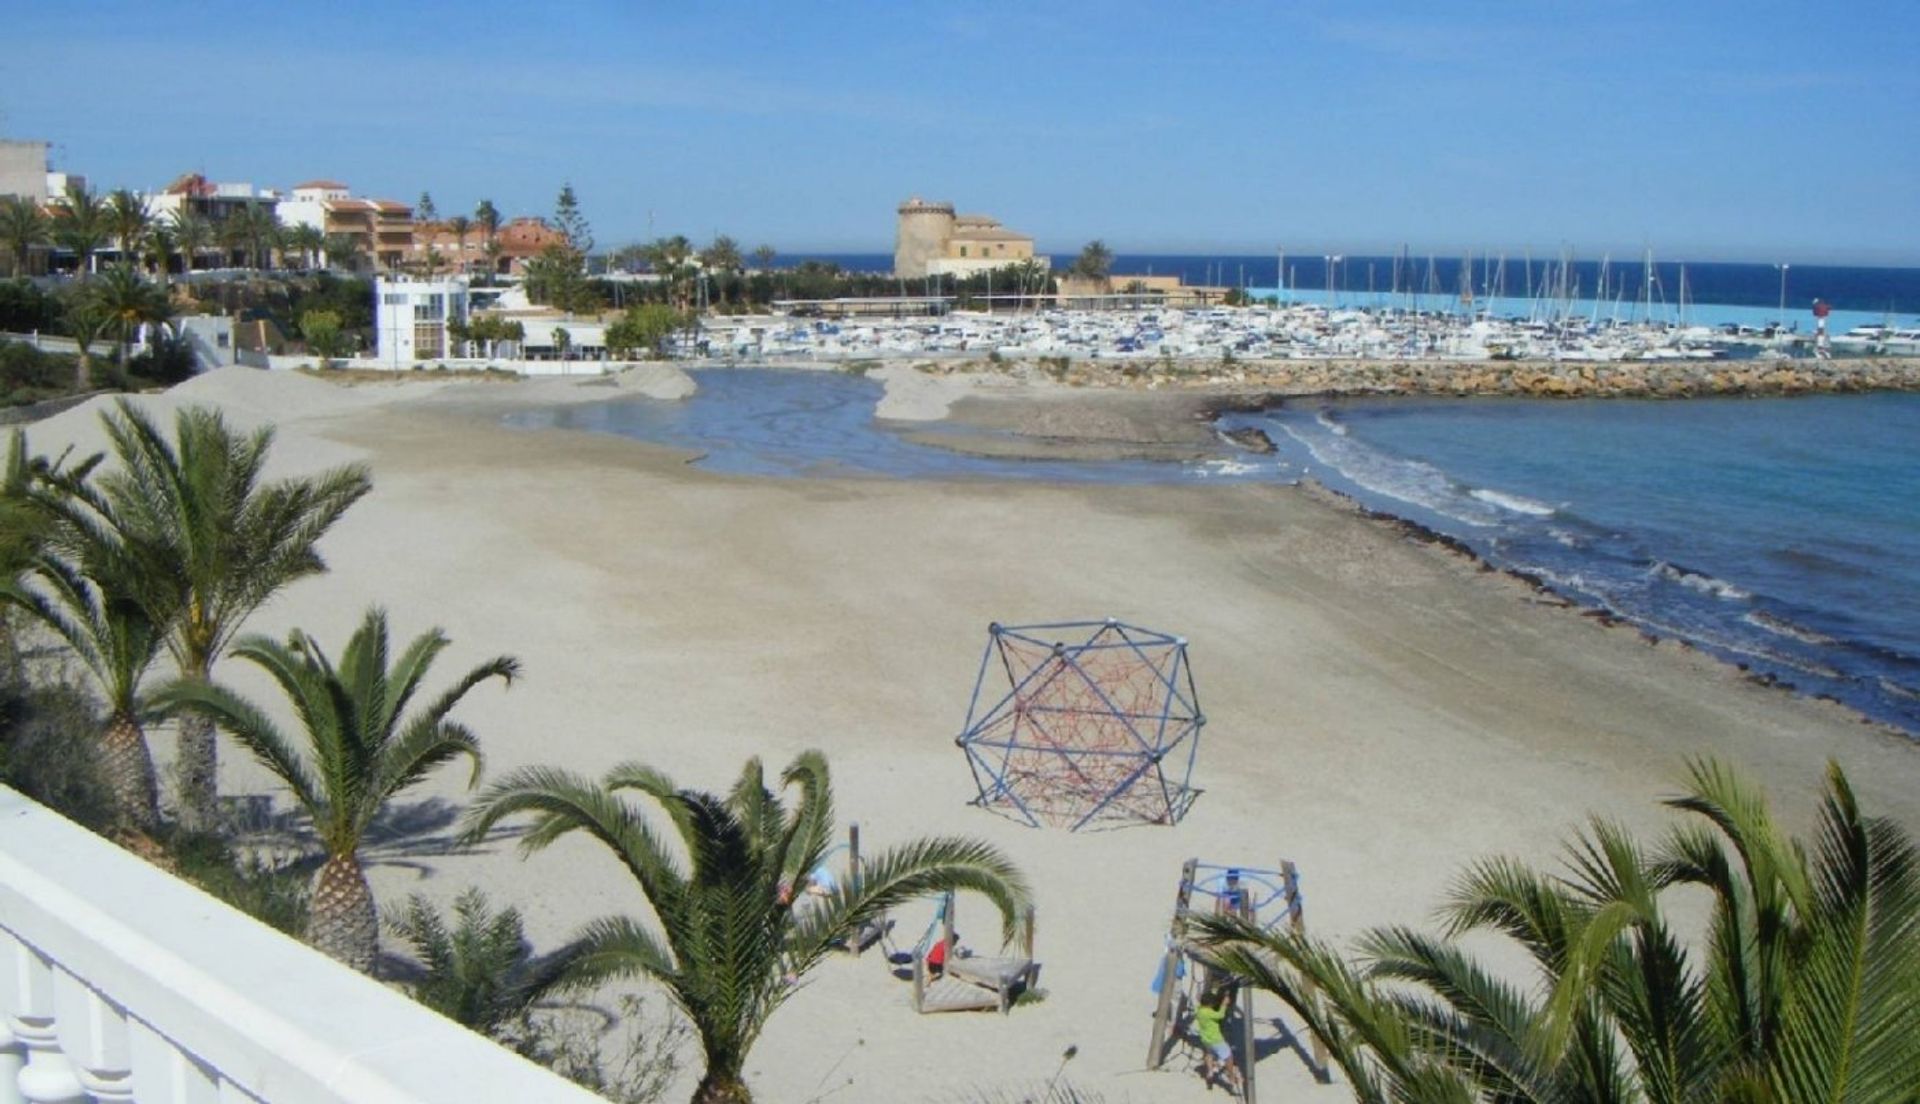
point(1288, 1039)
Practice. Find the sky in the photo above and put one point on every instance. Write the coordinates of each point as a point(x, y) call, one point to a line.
point(1701, 129)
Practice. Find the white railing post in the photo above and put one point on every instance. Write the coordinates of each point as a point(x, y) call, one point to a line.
point(164, 1074)
point(47, 1077)
point(13, 1059)
point(93, 1032)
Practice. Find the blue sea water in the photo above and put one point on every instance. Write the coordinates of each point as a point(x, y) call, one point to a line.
point(1783, 534)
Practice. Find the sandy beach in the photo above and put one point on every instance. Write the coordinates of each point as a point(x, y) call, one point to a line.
point(1380, 710)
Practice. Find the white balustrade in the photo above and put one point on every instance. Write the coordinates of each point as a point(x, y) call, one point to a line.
point(120, 983)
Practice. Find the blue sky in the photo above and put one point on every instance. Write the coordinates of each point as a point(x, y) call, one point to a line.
point(1755, 130)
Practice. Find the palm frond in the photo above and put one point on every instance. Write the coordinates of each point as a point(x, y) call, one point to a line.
point(1849, 1031)
point(254, 730)
point(563, 802)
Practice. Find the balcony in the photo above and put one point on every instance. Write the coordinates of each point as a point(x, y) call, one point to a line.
point(119, 982)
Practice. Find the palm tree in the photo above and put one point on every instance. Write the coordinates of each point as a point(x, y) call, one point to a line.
point(487, 217)
point(479, 971)
point(1804, 991)
point(159, 246)
point(360, 751)
point(84, 581)
point(86, 323)
point(23, 226)
point(128, 302)
point(308, 242)
point(192, 232)
point(460, 226)
point(80, 226)
point(340, 250)
point(127, 218)
point(730, 945)
point(198, 504)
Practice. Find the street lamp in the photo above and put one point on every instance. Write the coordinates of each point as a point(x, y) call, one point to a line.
point(1783, 291)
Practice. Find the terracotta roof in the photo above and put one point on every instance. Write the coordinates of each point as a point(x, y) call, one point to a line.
point(389, 206)
point(190, 184)
point(327, 185)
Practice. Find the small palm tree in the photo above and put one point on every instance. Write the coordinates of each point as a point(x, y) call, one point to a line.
point(159, 246)
point(306, 241)
point(193, 234)
point(1805, 991)
point(486, 217)
point(127, 218)
point(360, 750)
point(80, 226)
point(198, 504)
point(128, 302)
point(86, 323)
point(23, 228)
point(730, 945)
point(460, 226)
point(478, 971)
point(82, 580)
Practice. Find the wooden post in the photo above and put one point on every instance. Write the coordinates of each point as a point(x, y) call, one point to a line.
point(1169, 964)
point(1297, 920)
point(1248, 1051)
point(853, 875)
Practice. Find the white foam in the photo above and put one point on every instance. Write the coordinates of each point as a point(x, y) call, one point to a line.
point(1760, 619)
point(1411, 481)
point(1694, 580)
point(1519, 504)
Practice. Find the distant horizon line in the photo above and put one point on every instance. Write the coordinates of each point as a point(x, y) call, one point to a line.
point(1547, 256)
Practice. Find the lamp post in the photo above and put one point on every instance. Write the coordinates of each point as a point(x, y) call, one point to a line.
point(1783, 291)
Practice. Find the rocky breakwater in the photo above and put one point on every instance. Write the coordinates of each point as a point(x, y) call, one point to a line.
point(1525, 378)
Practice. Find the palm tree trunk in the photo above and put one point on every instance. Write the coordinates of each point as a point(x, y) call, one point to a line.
point(722, 1088)
point(195, 769)
point(342, 922)
point(129, 770)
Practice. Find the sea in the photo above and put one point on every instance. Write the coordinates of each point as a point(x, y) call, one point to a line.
point(1782, 535)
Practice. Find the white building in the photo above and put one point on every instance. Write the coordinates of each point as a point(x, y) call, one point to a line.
point(410, 318)
point(307, 205)
point(23, 169)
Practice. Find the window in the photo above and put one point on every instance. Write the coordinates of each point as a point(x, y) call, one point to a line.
point(394, 298)
point(426, 340)
point(963, 251)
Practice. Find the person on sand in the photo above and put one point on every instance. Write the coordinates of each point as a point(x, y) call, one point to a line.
point(937, 955)
point(1209, 1023)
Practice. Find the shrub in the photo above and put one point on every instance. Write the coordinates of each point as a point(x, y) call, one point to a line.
point(272, 891)
point(49, 741)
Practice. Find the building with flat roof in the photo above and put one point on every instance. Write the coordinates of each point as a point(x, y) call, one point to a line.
point(410, 318)
point(932, 240)
point(379, 230)
point(23, 169)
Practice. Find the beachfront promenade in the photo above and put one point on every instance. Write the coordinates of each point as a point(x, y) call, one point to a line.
point(120, 982)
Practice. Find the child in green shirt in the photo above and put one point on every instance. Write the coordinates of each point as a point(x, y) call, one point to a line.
point(1208, 1022)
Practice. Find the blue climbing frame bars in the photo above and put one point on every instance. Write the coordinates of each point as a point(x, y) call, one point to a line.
point(1089, 724)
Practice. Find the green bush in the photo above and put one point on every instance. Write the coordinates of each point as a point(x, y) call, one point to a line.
point(276, 893)
point(29, 375)
point(24, 308)
point(49, 741)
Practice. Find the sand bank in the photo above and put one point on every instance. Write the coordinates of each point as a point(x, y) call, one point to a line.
point(1380, 710)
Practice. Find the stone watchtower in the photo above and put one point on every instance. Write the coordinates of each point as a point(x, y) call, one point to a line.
point(924, 230)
